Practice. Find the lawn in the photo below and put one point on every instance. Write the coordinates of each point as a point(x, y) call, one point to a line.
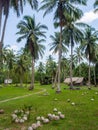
point(81, 116)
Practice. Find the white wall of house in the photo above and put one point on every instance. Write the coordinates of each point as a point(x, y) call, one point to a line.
point(8, 81)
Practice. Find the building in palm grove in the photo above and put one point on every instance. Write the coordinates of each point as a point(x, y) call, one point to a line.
point(8, 81)
point(77, 81)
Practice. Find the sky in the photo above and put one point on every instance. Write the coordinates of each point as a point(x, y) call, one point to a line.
point(89, 17)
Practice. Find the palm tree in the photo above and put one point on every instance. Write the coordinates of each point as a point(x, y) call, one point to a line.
point(61, 6)
point(51, 68)
point(54, 46)
point(64, 67)
point(17, 6)
point(78, 54)
point(8, 60)
point(94, 61)
point(96, 5)
point(22, 65)
point(20, 68)
point(41, 71)
point(89, 46)
point(73, 35)
point(31, 32)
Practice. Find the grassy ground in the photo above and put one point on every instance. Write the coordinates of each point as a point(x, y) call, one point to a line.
point(82, 116)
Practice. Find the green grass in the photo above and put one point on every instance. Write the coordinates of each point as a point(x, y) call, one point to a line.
point(82, 116)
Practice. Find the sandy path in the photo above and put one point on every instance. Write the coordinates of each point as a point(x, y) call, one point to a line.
point(19, 97)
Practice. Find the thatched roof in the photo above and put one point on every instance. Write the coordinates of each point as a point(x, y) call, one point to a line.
point(76, 80)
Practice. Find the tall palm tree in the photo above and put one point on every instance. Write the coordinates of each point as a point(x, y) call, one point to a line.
point(54, 46)
point(31, 32)
point(61, 6)
point(17, 6)
point(94, 61)
point(89, 46)
point(73, 35)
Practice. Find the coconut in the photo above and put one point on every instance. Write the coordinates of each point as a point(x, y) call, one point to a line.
point(55, 110)
point(30, 128)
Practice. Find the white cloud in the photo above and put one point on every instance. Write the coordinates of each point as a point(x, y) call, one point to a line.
point(89, 17)
point(14, 47)
point(40, 0)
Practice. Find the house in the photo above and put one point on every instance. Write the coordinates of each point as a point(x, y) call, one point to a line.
point(8, 81)
point(78, 81)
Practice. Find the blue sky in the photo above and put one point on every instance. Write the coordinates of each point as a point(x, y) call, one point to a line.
point(10, 37)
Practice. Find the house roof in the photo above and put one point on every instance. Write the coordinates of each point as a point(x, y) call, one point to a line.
point(74, 80)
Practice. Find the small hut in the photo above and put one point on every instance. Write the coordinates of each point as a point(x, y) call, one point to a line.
point(8, 81)
point(77, 81)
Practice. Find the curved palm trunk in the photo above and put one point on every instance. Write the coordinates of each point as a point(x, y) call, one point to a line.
point(2, 39)
point(71, 72)
point(3, 33)
point(32, 78)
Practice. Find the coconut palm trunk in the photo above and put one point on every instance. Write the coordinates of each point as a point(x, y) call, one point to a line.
point(32, 78)
point(55, 80)
point(60, 47)
point(94, 75)
point(1, 41)
point(71, 71)
point(59, 62)
point(79, 68)
point(0, 57)
point(89, 76)
point(21, 82)
point(3, 33)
